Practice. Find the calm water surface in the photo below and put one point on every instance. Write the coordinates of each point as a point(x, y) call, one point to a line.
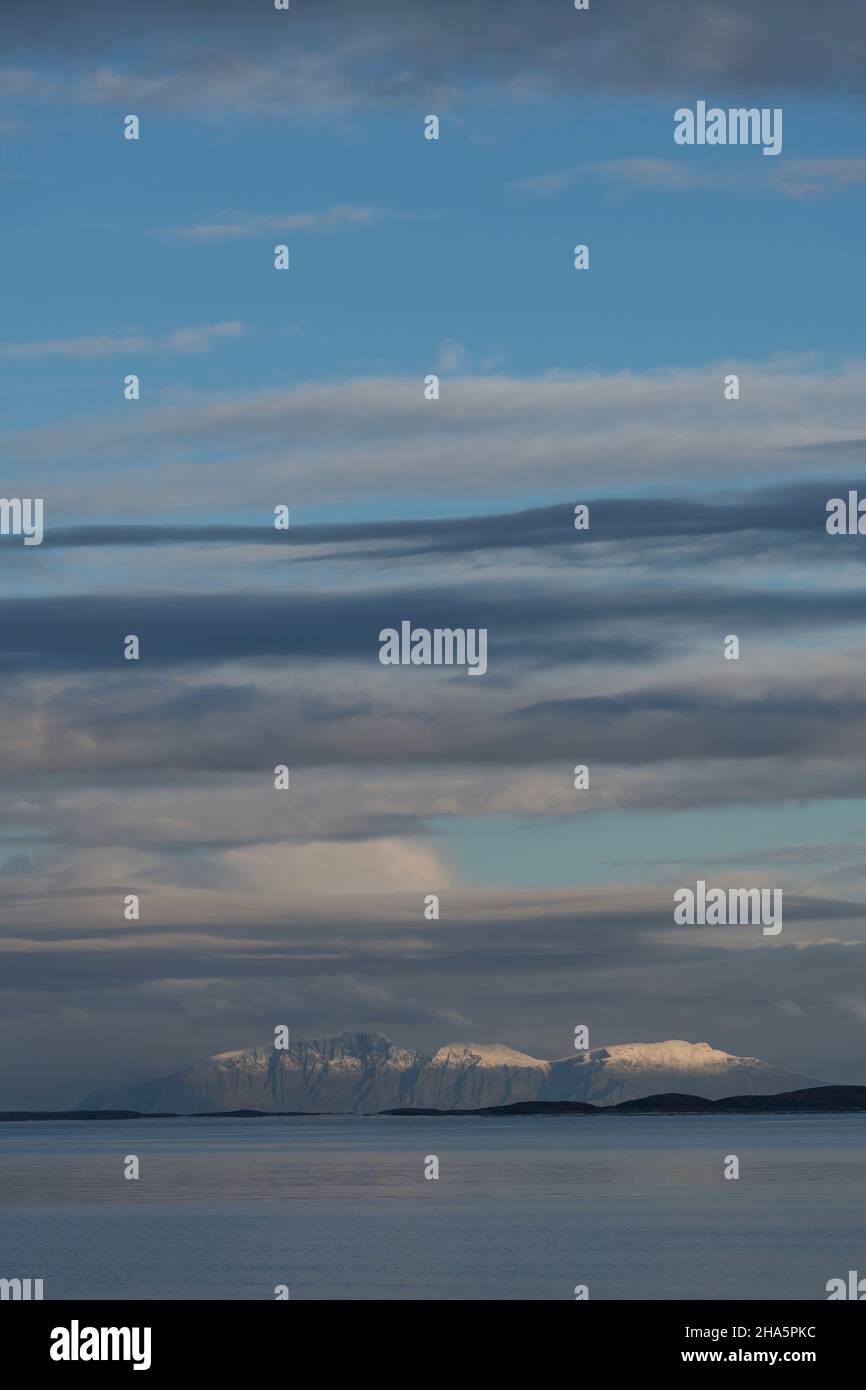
point(338, 1208)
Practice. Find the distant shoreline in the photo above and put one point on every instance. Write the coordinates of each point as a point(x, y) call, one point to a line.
point(820, 1100)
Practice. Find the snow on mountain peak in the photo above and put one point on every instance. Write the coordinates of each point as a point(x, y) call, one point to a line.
point(675, 1052)
point(484, 1055)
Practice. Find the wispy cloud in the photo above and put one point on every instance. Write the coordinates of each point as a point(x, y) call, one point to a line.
point(803, 178)
point(854, 1006)
point(452, 356)
point(242, 226)
point(181, 340)
point(377, 436)
point(793, 178)
point(25, 84)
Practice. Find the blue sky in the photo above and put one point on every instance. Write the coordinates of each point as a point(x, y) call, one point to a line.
point(617, 847)
point(453, 251)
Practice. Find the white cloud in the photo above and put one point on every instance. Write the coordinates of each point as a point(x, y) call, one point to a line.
point(793, 178)
point(377, 437)
point(452, 356)
point(184, 340)
point(201, 338)
point(368, 866)
point(242, 226)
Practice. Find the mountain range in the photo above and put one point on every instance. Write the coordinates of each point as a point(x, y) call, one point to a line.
point(364, 1073)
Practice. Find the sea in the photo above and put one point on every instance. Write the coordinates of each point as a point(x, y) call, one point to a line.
point(342, 1208)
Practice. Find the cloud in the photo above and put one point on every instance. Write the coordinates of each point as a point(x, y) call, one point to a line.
point(806, 178)
point(205, 59)
point(85, 632)
point(792, 178)
point(200, 339)
point(324, 962)
point(182, 340)
point(655, 174)
point(790, 1006)
point(377, 437)
point(242, 226)
point(645, 530)
point(24, 83)
point(210, 696)
point(452, 356)
point(854, 1006)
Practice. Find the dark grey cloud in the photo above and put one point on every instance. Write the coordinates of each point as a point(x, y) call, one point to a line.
point(525, 624)
point(398, 50)
point(87, 632)
point(652, 725)
point(522, 975)
point(179, 710)
point(795, 510)
point(829, 447)
point(590, 933)
point(91, 738)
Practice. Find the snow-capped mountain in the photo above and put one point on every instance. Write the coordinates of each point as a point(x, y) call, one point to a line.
point(365, 1073)
point(628, 1071)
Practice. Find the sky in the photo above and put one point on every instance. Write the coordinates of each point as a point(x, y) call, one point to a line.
point(305, 388)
